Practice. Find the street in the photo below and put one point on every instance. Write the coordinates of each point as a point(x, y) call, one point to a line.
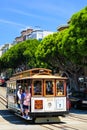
point(75, 120)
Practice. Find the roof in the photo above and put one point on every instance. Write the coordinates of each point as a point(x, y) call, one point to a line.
point(47, 77)
point(42, 77)
point(37, 73)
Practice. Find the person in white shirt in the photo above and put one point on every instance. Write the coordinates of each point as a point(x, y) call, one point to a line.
point(20, 95)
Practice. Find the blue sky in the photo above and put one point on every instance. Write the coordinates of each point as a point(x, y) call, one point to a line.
point(16, 15)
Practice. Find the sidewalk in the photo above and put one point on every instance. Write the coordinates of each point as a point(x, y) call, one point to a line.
point(3, 91)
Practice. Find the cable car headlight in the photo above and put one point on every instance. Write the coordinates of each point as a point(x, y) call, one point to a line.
point(49, 104)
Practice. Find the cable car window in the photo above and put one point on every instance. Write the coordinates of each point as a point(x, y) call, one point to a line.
point(60, 88)
point(37, 87)
point(49, 87)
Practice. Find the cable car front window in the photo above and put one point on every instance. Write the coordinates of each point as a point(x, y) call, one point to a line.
point(49, 88)
point(37, 87)
point(60, 88)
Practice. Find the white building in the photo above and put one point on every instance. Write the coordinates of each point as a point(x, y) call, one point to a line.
point(4, 48)
point(38, 34)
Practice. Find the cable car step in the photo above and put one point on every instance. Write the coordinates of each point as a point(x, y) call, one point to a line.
point(47, 120)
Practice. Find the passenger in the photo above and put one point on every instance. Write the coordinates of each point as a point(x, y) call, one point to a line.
point(26, 103)
point(38, 89)
point(49, 88)
point(19, 96)
point(21, 101)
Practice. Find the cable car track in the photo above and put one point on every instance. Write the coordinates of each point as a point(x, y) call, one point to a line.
point(58, 126)
point(76, 117)
point(47, 126)
point(3, 100)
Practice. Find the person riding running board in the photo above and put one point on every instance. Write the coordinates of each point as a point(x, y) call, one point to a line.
point(26, 103)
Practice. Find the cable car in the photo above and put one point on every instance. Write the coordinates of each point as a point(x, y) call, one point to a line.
point(48, 93)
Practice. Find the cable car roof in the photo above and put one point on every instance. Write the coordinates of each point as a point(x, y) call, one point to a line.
point(37, 73)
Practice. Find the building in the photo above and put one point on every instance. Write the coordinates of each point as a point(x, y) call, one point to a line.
point(62, 27)
point(4, 48)
point(38, 34)
point(23, 36)
point(32, 34)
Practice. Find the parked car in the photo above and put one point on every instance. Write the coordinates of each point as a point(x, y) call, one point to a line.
point(2, 81)
point(78, 99)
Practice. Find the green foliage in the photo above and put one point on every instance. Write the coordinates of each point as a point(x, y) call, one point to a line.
point(74, 40)
point(21, 53)
point(13, 57)
point(29, 53)
point(67, 48)
point(47, 50)
point(79, 21)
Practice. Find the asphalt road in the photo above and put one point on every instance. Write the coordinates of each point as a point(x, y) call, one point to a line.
point(76, 120)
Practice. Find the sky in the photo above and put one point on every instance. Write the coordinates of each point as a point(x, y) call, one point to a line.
point(18, 15)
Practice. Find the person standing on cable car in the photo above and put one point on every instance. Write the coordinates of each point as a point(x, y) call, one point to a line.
point(26, 103)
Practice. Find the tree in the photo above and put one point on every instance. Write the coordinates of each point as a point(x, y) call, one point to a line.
point(75, 40)
point(22, 53)
point(48, 53)
point(14, 56)
point(74, 43)
point(67, 49)
point(29, 53)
